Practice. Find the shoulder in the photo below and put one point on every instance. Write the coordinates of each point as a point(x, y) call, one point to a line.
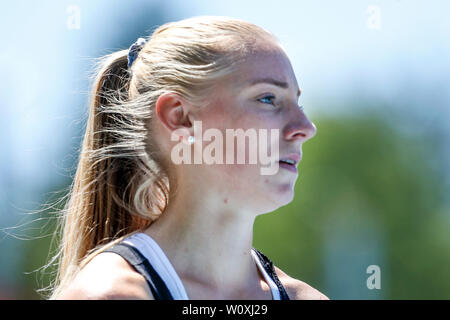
point(107, 277)
point(297, 289)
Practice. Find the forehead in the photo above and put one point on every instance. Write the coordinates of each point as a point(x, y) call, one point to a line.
point(265, 63)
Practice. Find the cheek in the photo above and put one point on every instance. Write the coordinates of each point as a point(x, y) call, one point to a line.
point(221, 114)
point(262, 128)
point(239, 181)
point(224, 114)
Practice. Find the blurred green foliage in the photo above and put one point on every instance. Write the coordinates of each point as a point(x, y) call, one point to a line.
point(374, 186)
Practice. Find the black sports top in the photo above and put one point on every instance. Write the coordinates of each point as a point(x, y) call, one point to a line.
point(158, 287)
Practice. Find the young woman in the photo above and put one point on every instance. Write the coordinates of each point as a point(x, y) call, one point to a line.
point(140, 226)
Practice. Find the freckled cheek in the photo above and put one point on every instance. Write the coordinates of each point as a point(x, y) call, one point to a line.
point(222, 121)
point(245, 151)
point(238, 177)
point(222, 117)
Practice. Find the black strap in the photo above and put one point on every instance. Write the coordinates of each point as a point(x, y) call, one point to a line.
point(143, 266)
point(268, 266)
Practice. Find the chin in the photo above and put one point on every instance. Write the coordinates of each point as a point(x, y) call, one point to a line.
point(275, 201)
point(285, 199)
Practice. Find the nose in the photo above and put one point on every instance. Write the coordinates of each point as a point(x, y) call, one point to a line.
point(299, 127)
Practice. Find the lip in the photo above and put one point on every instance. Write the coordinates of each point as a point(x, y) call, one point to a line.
point(289, 167)
point(296, 157)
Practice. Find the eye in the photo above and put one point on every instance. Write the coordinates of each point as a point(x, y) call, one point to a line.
point(267, 99)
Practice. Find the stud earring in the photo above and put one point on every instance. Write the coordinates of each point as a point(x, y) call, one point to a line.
point(191, 139)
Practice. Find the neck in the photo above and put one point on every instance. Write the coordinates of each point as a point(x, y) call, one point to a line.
point(207, 243)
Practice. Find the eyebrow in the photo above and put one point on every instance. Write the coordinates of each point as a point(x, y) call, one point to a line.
point(274, 82)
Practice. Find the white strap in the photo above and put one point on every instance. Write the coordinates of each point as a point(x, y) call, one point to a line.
point(158, 259)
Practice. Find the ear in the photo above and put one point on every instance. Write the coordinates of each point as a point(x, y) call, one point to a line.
point(173, 112)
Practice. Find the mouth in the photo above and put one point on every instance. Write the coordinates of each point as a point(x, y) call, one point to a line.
point(290, 161)
point(288, 166)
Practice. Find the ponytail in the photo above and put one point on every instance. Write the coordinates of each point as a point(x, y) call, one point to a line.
point(114, 177)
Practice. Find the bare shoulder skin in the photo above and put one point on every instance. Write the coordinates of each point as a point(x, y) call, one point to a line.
point(107, 277)
point(297, 289)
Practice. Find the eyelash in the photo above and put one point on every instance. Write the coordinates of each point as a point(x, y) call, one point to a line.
point(273, 97)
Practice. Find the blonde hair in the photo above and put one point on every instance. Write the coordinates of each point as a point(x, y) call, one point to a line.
point(122, 183)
